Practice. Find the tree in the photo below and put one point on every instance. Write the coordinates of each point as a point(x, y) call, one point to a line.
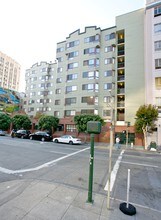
point(146, 116)
point(5, 121)
point(21, 121)
point(48, 123)
point(81, 121)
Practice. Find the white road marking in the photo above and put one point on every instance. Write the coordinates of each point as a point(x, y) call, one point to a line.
point(7, 171)
point(114, 172)
point(139, 164)
point(57, 152)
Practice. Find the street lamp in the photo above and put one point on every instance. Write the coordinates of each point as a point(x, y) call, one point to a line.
point(110, 149)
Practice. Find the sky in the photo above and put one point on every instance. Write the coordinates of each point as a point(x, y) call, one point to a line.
point(30, 29)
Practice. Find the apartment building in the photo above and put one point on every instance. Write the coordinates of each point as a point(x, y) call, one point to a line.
point(40, 88)
point(153, 59)
point(94, 67)
point(97, 64)
point(9, 72)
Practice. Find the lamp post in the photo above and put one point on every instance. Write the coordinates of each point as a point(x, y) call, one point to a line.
point(110, 150)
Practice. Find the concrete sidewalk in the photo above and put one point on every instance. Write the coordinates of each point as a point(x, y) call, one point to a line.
point(39, 200)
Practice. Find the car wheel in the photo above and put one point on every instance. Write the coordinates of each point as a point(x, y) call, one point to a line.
point(31, 138)
point(71, 142)
point(56, 141)
point(42, 139)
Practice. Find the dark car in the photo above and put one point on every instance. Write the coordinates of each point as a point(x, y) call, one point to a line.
point(41, 136)
point(22, 133)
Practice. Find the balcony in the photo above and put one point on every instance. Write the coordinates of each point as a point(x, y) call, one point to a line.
point(121, 65)
point(121, 78)
point(121, 91)
point(120, 52)
point(120, 41)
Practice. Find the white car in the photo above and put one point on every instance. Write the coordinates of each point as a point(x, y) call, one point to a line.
point(68, 139)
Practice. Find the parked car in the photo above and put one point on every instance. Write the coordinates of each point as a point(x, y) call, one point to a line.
point(22, 133)
point(67, 139)
point(41, 136)
point(2, 133)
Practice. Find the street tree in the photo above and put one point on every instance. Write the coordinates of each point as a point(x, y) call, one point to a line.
point(5, 121)
point(81, 122)
point(146, 117)
point(21, 122)
point(48, 122)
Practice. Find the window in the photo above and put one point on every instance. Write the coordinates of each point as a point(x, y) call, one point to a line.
point(60, 59)
point(72, 65)
point(69, 112)
point(32, 94)
point(158, 82)
point(71, 128)
point(90, 87)
point(31, 102)
point(109, 49)
point(108, 73)
point(56, 113)
point(92, 50)
point(157, 63)
point(72, 44)
point(157, 11)
point(87, 111)
point(157, 45)
point(31, 109)
point(44, 69)
point(60, 69)
point(71, 89)
point(72, 76)
point(109, 60)
point(158, 101)
point(90, 39)
point(69, 101)
point(157, 28)
point(106, 113)
point(33, 86)
point(57, 91)
point(72, 54)
point(90, 100)
point(91, 75)
point(58, 80)
point(92, 62)
point(60, 49)
point(57, 102)
point(107, 99)
point(107, 86)
point(109, 36)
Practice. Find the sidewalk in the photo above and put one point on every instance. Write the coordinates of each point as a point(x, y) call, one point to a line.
point(40, 200)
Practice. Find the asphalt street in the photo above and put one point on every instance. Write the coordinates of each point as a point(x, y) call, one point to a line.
point(65, 164)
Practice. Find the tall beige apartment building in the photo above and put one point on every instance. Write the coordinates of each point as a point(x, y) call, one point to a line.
point(9, 72)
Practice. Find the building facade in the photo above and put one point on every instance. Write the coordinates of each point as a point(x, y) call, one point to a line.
point(9, 73)
point(97, 71)
point(40, 84)
point(153, 59)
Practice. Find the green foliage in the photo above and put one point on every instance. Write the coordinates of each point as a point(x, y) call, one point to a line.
point(145, 117)
point(5, 121)
point(48, 123)
point(11, 108)
point(21, 121)
point(81, 121)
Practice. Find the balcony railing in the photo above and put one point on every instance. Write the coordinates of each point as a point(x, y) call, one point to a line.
point(121, 91)
point(121, 65)
point(121, 104)
point(120, 41)
point(120, 52)
point(121, 78)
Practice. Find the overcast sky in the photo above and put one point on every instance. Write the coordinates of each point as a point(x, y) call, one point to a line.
point(30, 29)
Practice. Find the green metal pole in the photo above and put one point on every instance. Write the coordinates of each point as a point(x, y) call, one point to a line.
point(90, 185)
